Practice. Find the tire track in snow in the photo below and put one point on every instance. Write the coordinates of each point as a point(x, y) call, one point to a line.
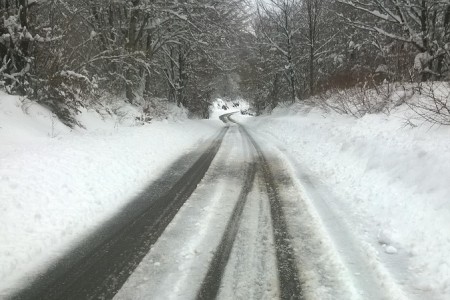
point(211, 283)
point(288, 275)
point(251, 272)
point(344, 267)
point(102, 271)
point(290, 286)
point(177, 263)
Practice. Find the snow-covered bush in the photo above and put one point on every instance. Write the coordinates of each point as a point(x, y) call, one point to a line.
point(15, 59)
point(362, 100)
point(64, 93)
point(161, 109)
point(432, 102)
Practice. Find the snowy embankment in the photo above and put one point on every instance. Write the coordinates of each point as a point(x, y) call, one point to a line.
point(388, 182)
point(57, 184)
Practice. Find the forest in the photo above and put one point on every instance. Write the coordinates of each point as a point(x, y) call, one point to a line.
point(68, 54)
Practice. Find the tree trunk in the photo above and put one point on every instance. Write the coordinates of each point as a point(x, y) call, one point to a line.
point(311, 70)
point(274, 93)
point(290, 61)
point(134, 14)
point(170, 77)
point(182, 77)
point(23, 16)
point(291, 73)
point(424, 28)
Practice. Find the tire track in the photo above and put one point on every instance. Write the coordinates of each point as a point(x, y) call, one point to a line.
point(288, 275)
point(251, 272)
point(101, 272)
point(290, 286)
point(211, 283)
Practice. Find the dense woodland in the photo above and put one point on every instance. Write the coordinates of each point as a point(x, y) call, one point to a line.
point(66, 54)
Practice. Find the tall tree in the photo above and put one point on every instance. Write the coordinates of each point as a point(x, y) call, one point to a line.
point(421, 23)
point(280, 25)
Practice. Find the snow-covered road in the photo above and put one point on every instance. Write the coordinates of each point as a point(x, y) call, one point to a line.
point(230, 236)
point(311, 255)
point(229, 240)
point(255, 223)
point(57, 189)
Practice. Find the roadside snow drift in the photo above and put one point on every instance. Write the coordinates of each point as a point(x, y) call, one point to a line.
point(57, 185)
point(388, 182)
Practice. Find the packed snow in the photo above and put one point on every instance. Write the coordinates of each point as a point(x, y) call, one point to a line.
point(177, 263)
point(57, 185)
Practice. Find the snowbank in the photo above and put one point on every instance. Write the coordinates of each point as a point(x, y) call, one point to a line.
point(390, 182)
point(57, 185)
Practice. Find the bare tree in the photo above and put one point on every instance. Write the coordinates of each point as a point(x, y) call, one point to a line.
point(280, 24)
point(421, 23)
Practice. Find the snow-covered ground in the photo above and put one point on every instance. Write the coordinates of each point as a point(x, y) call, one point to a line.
point(58, 184)
point(378, 193)
point(369, 207)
